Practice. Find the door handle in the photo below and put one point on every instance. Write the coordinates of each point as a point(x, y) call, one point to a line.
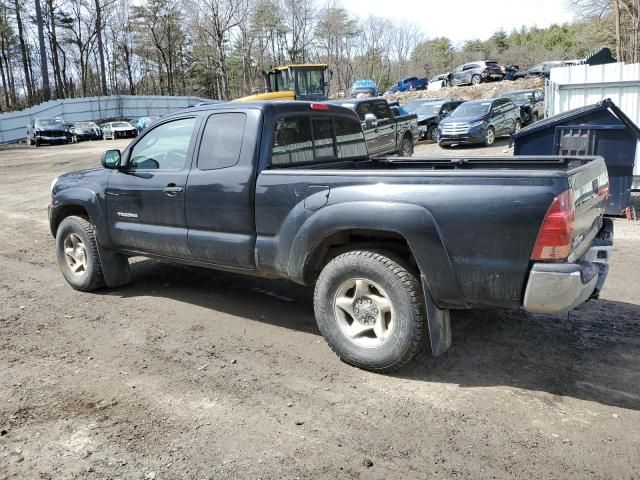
point(172, 189)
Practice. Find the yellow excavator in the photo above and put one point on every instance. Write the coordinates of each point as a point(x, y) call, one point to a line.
point(305, 81)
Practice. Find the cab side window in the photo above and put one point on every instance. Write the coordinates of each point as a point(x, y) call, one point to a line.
point(221, 141)
point(165, 147)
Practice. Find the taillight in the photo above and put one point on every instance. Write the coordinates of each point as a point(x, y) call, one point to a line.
point(556, 233)
point(320, 106)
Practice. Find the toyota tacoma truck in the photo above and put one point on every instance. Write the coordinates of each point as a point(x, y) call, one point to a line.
point(390, 244)
point(384, 132)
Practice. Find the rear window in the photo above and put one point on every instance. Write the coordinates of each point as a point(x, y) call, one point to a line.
point(305, 140)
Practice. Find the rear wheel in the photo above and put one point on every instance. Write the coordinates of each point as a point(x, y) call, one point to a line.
point(475, 80)
point(370, 310)
point(77, 254)
point(490, 137)
point(406, 147)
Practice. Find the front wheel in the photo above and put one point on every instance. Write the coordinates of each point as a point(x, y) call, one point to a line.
point(432, 133)
point(406, 147)
point(77, 254)
point(370, 309)
point(475, 80)
point(490, 137)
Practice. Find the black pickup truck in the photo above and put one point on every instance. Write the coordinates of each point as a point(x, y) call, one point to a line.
point(391, 244)
point(384, 132)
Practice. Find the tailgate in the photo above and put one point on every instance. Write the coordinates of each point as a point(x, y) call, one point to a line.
point(590, 186)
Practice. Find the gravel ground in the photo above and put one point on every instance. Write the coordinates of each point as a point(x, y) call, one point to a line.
point(428, 148)
point(189, 373)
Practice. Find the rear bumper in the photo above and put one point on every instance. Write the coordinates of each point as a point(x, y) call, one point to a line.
point(560, 287)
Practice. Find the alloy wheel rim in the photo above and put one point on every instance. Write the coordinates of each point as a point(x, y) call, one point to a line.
point(364, 313)
point(490, 137)
point(75, 254)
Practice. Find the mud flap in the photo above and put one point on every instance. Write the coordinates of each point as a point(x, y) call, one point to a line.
point(439, 323)
point(115, 267)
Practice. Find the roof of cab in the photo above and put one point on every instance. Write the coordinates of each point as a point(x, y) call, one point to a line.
point(269, 107)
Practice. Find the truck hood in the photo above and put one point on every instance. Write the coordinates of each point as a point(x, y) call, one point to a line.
point(53, 128)
point(80, 178)
point(426, 118)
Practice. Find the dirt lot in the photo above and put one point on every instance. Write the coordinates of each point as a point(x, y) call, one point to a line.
point(188, 373)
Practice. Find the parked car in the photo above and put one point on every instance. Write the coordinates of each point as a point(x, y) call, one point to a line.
point(511, 72)
point(475, 73)
point(119, 129)
point(385, 132)
point(412, 83)
point(46, 130)
point(79, 131)
point(144, 122)
point(438, 82)
point(543, 70)
point(363, 89)
point(531, 103)
point(430, 113)
point(390, 244)
point(479, 122)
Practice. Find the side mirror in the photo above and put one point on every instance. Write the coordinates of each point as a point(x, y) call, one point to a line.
point(111, 159)
point(370, 120)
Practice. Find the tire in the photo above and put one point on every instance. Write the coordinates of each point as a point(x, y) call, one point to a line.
point(444, 145)
point(37, 142)
point(490, 137)
point(406, 147)
point(28, 141)
point(77, 233)
point(476, 80)
point(367, 282)
point(432, 133)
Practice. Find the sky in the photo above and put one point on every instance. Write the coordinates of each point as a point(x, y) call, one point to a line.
point(462, 20)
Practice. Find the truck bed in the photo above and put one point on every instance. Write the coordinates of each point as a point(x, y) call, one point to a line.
point(475, 220)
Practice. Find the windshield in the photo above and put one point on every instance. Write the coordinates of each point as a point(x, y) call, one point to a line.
point(121, 125)
point(430, 109)
point(309, 82)
point(47, 122)
point(520, 97)
point(280, 81)
point(471, 109)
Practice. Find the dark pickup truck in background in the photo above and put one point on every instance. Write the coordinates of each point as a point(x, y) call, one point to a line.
point(385, 132)
point(287, 189)
point(530, 102)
